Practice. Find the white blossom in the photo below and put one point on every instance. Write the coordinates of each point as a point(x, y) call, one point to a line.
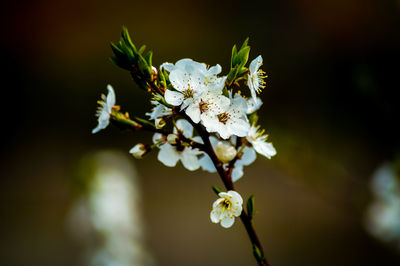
point(210, 103)
point(104, 110)
point(226, 208)
point(255, 79)
point(169, 154)
point(195, 85)
point(232, 121)
point(158, 111)
point(258, 139)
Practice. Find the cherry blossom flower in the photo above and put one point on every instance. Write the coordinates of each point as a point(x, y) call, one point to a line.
point(158, 111)
point(104, 110)
point(226, 208)
point(208, 104)
point(258, 139)
point(170, 154)
point(232, 121)
point(255, 79)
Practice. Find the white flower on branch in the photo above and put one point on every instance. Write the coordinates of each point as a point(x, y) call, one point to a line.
point(255, 79)
point(104, 110)
point(169, 154)
point(208, 104)
point(259, 141)
point(196, 87)
point(226, 208)
point(232, 121)
point(158, 111)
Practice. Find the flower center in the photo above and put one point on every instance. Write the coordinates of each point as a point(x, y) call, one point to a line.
point(203, 106)
point(188, 93)
point(226, 205)
point(223, 118)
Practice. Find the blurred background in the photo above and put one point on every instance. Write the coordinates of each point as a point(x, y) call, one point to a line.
point(330, 108)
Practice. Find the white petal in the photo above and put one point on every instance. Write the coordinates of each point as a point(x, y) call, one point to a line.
point(256, 64)
point(215, 70)
point(218, 201)
point(190, 160)
point(185, 126)
point(207, 164)
point(237, 172)
point(110, 97)
point(168, 155)
point(179, 79)
point(264, 148)
point(253, 105)
point(248, 157)
point(239, 128)
point(236, 198)
point(193, 111)
point(167, 66)
point(227, 222)
point(214, 216)
point(173, 97)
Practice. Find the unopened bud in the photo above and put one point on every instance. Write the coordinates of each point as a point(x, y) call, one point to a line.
point(225, 152)
point(172, 138)
point(139, 150)
point(160, 122)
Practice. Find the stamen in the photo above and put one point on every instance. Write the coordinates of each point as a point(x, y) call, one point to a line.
point(223, 118)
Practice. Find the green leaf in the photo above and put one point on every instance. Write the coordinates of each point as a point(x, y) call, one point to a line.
point(243, 70)
point(234, 54)
point(148, 58)
point(250, 206)
point(127, 40)
point(257, 253)
point(141, 49)
point(243, 56)
point(216, 189)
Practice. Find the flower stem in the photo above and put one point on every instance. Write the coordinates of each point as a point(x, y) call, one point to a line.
point(226, 177)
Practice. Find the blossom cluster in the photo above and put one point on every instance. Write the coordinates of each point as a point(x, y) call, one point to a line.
point(188, 99)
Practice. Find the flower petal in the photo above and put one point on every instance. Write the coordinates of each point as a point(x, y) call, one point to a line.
point(185, 126)
point(173, 97)
point(207, 164)
point(256, 64)
point(227, 222)
point(190, 160)
point(168, 155)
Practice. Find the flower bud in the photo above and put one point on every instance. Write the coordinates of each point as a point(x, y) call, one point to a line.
point(172, 138)
point(225, 152)
point(160, 122)
point(139, 150)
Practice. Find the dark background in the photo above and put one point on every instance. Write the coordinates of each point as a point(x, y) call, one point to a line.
point(330, 108)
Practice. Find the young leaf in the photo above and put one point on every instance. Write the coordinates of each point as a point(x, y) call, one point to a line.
point(149, 57)
point(216, 189)
point(250, 206)
point(141, 49)
point(234, 54)
point(257, 253)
